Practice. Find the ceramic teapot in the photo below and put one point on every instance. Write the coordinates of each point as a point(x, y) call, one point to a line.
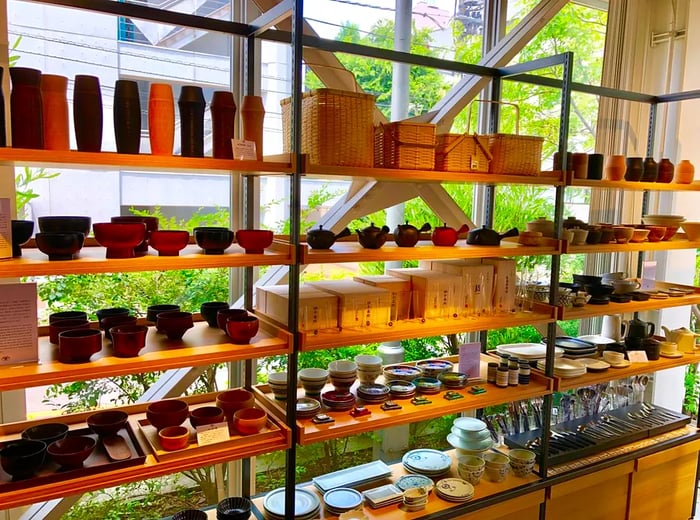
point(637, 328)
point(488, 237)
point(406, 235)
point(372, 237)
point(324, 238)
point(684, 337)
point(447, 236)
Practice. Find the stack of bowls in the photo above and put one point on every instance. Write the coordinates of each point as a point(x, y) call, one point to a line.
point(471, 468)
point(369, 368)
point(401, 389)
point(522, 462)
point(415, 499)
point(278, 384)
point(496, 466)
point(313, 380)
point(373, 393)
point(469, 436)
point(343, 374)
point(670, 222)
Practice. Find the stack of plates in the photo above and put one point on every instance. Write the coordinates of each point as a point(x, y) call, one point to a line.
point(373, 393)
point(401, 389)
point(454, 380)
point(306, 505)
point(339, 500)
point(427, 385)
point(454, 490)
point(528, 351)
point(469, 434)
point(565, 368)
point(383, 496)
point(576, 348)
point(338, 401)
point(352, 477)
point(426, 461)
point(307, 407)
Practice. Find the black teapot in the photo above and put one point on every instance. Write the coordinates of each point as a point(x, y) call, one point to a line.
point(372, 237)
point(406, 235)
point(488, 237)
point(324, 238)
point(637, 328)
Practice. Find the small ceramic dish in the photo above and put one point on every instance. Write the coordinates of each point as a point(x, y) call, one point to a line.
point(402, 373)
point(455, 380)
point(174, 438)
point(427, 385)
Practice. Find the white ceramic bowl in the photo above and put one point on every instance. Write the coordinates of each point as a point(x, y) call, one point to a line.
point(368, 361)
point(313, 374)
point(341, 367)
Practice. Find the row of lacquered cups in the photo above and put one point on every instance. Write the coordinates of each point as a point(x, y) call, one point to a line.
point(62, 237)
point(619, 167)
point(77, 340)
point(39, 115)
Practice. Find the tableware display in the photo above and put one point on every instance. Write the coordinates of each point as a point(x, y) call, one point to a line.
point(242, 329)
point(521, 462)
point(59, 246)
point(278, 384)
point(454, 490)
point(169, 242)
point(152, 311)
point(402, 373)
point(383, 495)
point(128, 340)
point(78, 345)
point(209, 311)
point(236, 399)
point(206, 415)
point(415, 499)
point(340, 500)
point(22, 458)
point(212, 239)
point(161, 118)
point(497, 466)
point(529, 351)
point(107, 422)
point(471, 468)
point(58, 326)
point(254, 241)
point(373, 393)
point(338, 400)
point(313, 380)
point(426, 461)
point(223, 123)
point(119, 238)
point(174, 323)
point(26, 112)
point(454, 380)
point(353, 514)
point(565, 368)
point(223, 315)
point(401, 389)
point(427, 385)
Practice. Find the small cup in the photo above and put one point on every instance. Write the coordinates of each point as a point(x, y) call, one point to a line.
point(128, 340)
point(278, 384)
point(249, 421)
point(153, 310)
point(668, 348)
point(242, 330)
point(209, 311)
point(224, 314)
point(580, 236)
point(77, 346)
point(174, 323)
point(579, 162)
point(108, 322)
point(174, 438)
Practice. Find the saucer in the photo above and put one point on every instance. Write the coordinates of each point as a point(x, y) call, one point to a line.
point(623, 364)
point(672, 356)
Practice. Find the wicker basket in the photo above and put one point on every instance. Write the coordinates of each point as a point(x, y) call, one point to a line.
point(462, 153)
point(336, 127)
point(405, 145)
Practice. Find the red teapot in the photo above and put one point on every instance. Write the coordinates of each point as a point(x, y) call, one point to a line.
point(447, 236)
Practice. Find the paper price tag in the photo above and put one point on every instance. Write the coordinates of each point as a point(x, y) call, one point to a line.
point(637, 356)
point(244, 150)
point(469, 359)
point(648, 275)
point(212, 433)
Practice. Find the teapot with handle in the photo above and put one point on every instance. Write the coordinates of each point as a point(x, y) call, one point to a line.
point(684, 337)
point(637, 328)
point(372, 237)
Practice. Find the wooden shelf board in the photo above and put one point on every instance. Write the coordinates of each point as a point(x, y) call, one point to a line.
point(92, 260)
point(547, 178)
point(436, 505)
point(404, 329)
point(352, 251)
point(248, 447)
point(588, 310)
point(635, 186)
point(345, 424)
point(201, 345)
point(146, 162)
point(679, 241)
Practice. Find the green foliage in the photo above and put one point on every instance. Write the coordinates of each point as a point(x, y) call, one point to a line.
point(316, 200)
point(24, 193)
point(13, 58)
point(219, 217)
point(692, 390)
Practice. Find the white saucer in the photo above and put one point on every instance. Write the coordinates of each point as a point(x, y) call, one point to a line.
point(623, 364)
point(672, 356)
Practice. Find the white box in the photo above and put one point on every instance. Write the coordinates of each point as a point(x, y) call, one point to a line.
point(359, 305)
point(18, 330)
point(318, 310)
point(477, 284)
point(505, 284)
point(400, 308)
point(5, 229)
point(433, 294)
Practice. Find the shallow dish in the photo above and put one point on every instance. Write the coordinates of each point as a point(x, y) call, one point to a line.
point(402, 373)
point(458, 442)
point(406, 482)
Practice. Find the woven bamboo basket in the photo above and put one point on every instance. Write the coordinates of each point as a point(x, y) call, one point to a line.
point(462, 153)
point(337, 127)
point(405, 145)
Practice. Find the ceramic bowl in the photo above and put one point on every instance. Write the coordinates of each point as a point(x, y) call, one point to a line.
point(623, 234)
point(64, 224)
point(254, 241)
point(111, 311)
point(78, 345)
point(231, 401)
point(248, 421)
point(656, 233)
point(169, 242)
point(68, 315)
point(174, 323)
point(47, 432)
point(223, 315)
point(59, 246)
point(107, 422)
point(21, 233)
point(242, 330)
point(120, 239)
point(190, 514)
point(368, 361)
point(342, 367)
point(530, 238)
point(71, 452)
point(233, 508)
point(213, 240)
point(22, 458)
point(128, 340)
point(153, 310)
point(639, 235)
point(599, 290)
point(209, 311)
point(59, 326)
point(168, 412)
point(434, 367)
point(151, 224)
point(277, 381)
point(692, 230)
point(174, 438)
point(107, 323)
point(206, 415)
point(587, 279)
point(402, 373)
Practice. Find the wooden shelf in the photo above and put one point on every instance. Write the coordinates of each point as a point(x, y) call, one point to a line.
point(404, 329)
point(588, 310)
point(546, 178)
point(92, 260)
point(247, 446)
point(146, 162)
point(345, 424)
point(515, 486)
point(352, 251)
point(201, 345)
point(679, 241)
point(633, 186)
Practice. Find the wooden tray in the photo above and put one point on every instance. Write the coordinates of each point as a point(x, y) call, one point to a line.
point(97, 462)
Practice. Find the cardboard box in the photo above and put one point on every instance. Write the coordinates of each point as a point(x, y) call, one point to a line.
point(18, 331)
point(477, 284)
point(505, 285)
point(433, 294)
point(400, 307)
point(5, 228)
point(359, 305)
point(318, 310)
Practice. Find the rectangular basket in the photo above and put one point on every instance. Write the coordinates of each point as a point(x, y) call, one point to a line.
point(405, 145)
point(462, 153)
point(337, 127)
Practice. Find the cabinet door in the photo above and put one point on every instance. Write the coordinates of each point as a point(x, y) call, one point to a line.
point(526, 507)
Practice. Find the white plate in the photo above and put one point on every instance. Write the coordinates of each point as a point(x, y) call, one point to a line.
point(469, 424)
point(597, 339)
point(342, 499)
point(527, 350)
point(427, 460)
point(305, 502)
point(594, 364)
point(462, 444)
point(350, 477)
point(471, 436)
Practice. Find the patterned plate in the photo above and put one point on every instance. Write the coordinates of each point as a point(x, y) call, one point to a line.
point(414, 481)
point(427, 461)
point(454, 489)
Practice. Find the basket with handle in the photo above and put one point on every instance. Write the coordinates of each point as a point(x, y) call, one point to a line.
point(462, 153)
point(513, 154)
point(405, 145)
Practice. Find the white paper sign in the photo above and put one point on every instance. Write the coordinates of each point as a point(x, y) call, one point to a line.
point(18, 331)
point(212, 433)
point(648, 275)
point(244, 150)
point(469, 359)
point(637, 356)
